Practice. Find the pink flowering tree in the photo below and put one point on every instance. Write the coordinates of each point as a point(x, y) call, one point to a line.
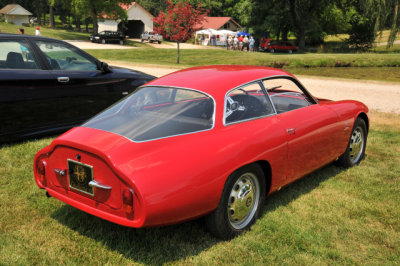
point(179, 22)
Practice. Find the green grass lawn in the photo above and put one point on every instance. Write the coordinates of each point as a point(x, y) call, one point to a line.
point(45, 31)
point(333, 216)
point(373, 66)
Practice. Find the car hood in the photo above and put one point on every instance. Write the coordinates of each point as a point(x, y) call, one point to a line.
point(121, 70)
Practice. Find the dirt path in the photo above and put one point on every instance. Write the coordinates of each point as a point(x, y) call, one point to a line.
point(171, 45)
point(381, 96)
point(164, 45)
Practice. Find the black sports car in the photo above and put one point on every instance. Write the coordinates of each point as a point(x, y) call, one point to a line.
point(49, 86)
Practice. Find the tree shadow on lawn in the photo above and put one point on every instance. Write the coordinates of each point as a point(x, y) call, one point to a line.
point(160, 245)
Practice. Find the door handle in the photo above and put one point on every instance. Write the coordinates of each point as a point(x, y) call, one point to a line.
point(291, 131)
point(94, 183)
point(63, 79)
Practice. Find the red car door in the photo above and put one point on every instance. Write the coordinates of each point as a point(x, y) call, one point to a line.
point(314, 136)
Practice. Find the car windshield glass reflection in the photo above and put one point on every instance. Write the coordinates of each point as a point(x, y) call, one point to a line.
point(157, 112)
point(65, 58)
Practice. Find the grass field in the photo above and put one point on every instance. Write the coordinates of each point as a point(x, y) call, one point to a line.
point(45, 31)
point(333, 216)
point(373, 66)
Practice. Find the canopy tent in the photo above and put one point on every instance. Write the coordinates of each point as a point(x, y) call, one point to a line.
point(213, 37)
point(243, 33)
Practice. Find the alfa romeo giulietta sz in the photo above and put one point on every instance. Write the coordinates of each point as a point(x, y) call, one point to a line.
point(208, 141)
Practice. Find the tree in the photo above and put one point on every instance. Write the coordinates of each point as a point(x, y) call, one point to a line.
point(179, 22)
point(94, 8)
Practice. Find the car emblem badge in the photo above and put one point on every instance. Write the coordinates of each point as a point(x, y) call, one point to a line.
point(80, 173)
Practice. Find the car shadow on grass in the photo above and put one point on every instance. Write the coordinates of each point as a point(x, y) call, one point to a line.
point(159, 245)
point(300, 187)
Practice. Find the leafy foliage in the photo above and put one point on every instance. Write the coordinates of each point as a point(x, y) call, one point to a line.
point(179, 22)
point(361, 33)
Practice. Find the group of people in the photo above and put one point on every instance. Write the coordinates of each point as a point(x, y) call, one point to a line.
point(241, 43)
point(22, 31)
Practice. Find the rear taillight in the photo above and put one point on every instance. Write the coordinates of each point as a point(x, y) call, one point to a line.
point(127, 200)
point(41, 171)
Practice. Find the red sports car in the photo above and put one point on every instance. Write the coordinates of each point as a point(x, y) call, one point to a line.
point(208, 141)
point(277, 46)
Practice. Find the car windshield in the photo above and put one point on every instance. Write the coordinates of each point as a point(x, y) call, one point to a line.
point(157, 112)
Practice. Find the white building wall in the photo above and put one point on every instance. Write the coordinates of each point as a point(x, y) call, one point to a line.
point(108, 24)
point(137, 13)
point(17, 19)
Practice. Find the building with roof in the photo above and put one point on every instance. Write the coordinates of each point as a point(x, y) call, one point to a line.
point(219, 23)
point(139, 21)
point(16, 14)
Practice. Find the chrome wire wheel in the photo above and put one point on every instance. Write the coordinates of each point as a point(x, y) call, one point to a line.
point(356, 145)
point(243, 201)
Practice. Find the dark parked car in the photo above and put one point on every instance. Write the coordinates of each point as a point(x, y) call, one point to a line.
point(108, 36)
point(49, 86)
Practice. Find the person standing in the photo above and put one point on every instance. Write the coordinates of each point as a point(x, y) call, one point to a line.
point(251, 44)
point(240, 42)
point(246, 43)
point(37, 32)
point(230, 42)
point(235, 43)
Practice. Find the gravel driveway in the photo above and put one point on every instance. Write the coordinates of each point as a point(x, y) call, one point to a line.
point(380, 96)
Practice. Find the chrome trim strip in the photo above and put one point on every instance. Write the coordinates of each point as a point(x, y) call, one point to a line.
point(60, 172)
point(94, 183)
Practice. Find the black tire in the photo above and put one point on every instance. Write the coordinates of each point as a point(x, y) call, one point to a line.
point(240, 204)
point(142, 40)
point(103, 41)
point(159, 42)
point(355, 151)
point(272, 50)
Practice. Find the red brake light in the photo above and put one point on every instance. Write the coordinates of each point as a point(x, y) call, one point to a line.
point(127, 199)
point(41, 172)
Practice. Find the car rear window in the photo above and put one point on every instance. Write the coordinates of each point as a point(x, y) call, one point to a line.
point(157, 112)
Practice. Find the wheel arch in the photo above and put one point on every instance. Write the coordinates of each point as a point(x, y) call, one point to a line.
point(364, 117)
point(266, 168)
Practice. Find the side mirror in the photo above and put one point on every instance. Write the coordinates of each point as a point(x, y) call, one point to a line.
point(104, 67)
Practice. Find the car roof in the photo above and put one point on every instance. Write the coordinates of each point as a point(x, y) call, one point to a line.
point(217, 78)
point(24, 36)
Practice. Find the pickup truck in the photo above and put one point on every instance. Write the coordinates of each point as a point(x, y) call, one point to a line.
point(151, 37)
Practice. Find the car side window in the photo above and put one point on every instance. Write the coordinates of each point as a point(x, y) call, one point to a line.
point(286, 95)
point(63, 57)
point(247, 102)
point(16, 54)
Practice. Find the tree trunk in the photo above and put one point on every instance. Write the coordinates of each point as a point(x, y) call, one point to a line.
point(299, 25)
point(395, 27)
point(77, 23)
point(177, 60)
point(87, 24)
point(93, 15)
point(51, 11)
point(39, 18)
point(301, 37)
